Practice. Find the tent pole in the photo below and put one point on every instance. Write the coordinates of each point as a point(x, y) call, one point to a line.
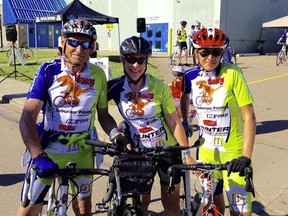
point(119, 36)
point(36, 41)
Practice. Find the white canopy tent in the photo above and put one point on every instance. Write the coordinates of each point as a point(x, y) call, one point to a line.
point(277, 23)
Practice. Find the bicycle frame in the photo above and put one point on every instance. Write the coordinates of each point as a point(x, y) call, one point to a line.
point(281, 56)
point(57, 204)
point(208, 185)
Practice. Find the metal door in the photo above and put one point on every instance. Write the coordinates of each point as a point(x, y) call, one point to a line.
point(157, 35)
point(41, 34)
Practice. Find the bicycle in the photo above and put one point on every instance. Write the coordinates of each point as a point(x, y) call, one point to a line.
point(25, 51)
point(131, 176)
point(202, 203)
point(57, 202)
point(281, 57)
point(172, 61)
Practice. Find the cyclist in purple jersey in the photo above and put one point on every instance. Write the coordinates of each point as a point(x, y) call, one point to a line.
point(69, 91)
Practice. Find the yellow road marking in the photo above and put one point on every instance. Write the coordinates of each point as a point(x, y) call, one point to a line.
point(269, 78)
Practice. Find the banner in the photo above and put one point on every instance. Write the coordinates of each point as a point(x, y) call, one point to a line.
point(104, 64)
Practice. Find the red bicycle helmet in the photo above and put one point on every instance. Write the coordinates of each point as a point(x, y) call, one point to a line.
point(210, 38)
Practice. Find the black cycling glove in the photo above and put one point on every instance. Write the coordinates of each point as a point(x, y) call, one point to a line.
point(238, 165)
point(121, 141)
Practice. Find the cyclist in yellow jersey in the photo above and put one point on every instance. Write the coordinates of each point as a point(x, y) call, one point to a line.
point(182, 42)
point(225, 115)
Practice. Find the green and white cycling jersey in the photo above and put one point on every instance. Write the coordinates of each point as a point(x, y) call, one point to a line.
point(217, 100)
point(144, 111)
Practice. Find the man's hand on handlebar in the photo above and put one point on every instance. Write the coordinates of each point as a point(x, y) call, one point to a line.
point(45, 166)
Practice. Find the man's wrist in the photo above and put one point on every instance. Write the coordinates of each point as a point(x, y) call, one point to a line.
point(186, 153)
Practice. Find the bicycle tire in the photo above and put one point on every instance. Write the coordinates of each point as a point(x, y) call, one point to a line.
point(27, 53)
point(131, 211)
point(279, 58)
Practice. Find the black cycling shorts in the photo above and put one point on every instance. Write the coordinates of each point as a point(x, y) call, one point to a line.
point(173, 157)
point(182, 45)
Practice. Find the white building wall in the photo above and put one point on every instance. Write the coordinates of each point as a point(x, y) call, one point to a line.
point(241, 20)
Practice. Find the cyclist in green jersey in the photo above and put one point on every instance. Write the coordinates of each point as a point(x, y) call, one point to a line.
point(225, 115)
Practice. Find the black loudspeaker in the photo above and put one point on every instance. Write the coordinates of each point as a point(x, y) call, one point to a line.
point(11, 33)
point(141, 25)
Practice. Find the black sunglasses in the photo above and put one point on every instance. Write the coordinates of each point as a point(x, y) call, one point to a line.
point(75, 43)
point(206, 52)
point(133, 60)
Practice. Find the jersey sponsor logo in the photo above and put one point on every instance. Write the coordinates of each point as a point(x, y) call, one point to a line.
point(238, 199)
point(213, 116)
point(66, 127)
point(208, 90)
point(216, 129)
point(208, 122)
point(138, 105)
point(72, 92)
point(149, 136)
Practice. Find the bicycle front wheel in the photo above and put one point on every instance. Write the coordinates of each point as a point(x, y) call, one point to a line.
point(131, 211)
point(27, 53)
point(280, 57)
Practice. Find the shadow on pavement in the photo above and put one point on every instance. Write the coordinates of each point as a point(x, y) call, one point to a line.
point(271, 126)
point(11, 179)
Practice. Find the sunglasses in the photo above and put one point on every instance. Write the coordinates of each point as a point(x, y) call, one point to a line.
point(133, 60)
point(206, 52)
point(75, 43)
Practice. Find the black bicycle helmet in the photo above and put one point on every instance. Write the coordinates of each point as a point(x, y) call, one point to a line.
point(79, 27)
point(183, 23)
point(134, 45)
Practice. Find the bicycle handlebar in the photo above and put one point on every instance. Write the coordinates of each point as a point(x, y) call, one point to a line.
point(113, 149)
point(248, 173)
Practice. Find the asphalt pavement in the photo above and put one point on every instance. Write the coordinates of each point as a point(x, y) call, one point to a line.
point(268, 84)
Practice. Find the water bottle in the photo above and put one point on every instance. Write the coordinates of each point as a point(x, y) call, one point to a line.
point(196, 201)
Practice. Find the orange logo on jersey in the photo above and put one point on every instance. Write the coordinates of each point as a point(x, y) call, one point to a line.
point(72, 92)
point(207, 90)
point(137, 105)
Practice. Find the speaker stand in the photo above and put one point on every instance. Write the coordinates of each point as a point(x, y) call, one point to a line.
point(15, 72)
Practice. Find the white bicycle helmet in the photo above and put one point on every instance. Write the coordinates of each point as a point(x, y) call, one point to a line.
point(79, 27)
point(178, 71)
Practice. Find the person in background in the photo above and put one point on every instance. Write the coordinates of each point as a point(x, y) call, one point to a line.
point(226, 117)
point(68, 91)
point(176, 87)
point(191, 48)
point(182, 42)
point(284, 39)
point(147, 107)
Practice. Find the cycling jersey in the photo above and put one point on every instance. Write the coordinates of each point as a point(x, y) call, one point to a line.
point(217, 100)
point(183, 34)
point(144, 111)
point(69, 101)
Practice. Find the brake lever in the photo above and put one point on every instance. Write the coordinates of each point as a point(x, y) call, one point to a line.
point(249, 186)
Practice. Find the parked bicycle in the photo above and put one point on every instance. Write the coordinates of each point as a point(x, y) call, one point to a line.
point(202, 202)
point(281, 57)
point(25, 51)
point(58, 200)
point(132, 175)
